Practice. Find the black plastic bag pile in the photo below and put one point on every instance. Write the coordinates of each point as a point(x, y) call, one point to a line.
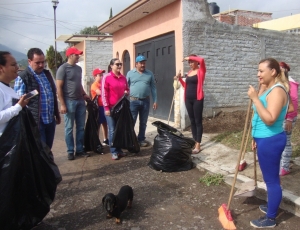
point(28, 174)
point(124, 135)
point(91, 138)
point(171, 150)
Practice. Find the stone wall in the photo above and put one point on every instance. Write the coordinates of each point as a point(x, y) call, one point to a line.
point(231, 54)
point(98, 55)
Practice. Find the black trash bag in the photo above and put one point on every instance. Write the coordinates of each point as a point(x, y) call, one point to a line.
point(91, 138)
point(124, 135)
point(28, 174)
point(171, 150)
point(117, 108)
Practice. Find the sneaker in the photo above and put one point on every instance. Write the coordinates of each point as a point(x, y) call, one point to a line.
point(71, 156)
point(122, 154)
point(82, 154)
point(263, 222)
point(263, 208)
point(284, 172)
point(143, 144)
point(114, 156)
point(105, 142)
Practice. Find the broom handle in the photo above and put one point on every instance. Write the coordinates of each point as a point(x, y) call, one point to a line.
point(179, 72)
point(240, 154)
point(246, 143)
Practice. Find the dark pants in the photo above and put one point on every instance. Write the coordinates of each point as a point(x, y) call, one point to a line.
point(195, 108)
point(47, 132)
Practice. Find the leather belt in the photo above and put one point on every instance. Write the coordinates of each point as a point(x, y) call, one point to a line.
point(136, 98)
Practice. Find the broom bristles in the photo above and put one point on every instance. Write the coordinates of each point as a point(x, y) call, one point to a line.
point(225, 218)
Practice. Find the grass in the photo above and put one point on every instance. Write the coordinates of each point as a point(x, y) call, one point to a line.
point(212, 179)
point(234, 139)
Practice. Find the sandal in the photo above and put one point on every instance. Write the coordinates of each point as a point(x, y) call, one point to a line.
point(196, 151)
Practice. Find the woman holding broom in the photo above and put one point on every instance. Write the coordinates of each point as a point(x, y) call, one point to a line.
point(270, 107)
point(194, 96)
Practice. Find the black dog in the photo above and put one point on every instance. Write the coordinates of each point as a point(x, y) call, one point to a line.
point(115, 205)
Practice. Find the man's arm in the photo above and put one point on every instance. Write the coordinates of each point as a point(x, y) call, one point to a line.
point(153, 92)
point(60, 93)
point(85, 96)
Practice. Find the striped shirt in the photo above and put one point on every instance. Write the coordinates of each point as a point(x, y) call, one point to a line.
point(46, 95)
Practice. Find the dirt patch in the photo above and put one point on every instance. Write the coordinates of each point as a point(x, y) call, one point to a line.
point(225, 122)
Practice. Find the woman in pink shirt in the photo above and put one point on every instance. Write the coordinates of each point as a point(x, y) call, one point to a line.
point(289, 122)
point(114, 86)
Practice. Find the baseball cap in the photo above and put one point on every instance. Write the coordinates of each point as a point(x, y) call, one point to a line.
point(73, 50)
point(140, 58)
point(97, 71)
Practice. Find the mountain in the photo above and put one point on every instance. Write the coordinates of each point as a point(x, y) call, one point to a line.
point(18, 55)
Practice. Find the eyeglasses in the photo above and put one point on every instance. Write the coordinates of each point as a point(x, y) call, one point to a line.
point(118, 64)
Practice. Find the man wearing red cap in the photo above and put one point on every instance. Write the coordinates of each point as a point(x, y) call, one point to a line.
point(96, 91)
point(72, 99)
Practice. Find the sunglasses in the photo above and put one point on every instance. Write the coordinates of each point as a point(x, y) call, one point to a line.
point(118, 64)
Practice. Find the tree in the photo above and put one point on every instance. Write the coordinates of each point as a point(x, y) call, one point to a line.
point(90, 30)
point(110, 14)
point(50, 56)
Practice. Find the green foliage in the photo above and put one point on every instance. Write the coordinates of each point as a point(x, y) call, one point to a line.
point(23, 63)
point(90, 30)
point(212, 179)
point(50, 56)
point(110, 13)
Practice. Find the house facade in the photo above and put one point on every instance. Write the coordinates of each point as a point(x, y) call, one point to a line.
point(167, 31)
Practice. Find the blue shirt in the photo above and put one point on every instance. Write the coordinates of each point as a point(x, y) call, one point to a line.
point(46, 95)
point(259, 128)
point(141, 84)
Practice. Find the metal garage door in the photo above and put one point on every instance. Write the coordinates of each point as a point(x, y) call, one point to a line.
point(160, 54)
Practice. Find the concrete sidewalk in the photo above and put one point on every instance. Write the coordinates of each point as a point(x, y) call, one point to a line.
point(217, 158)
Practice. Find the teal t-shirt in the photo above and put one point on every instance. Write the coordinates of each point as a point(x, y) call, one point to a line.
point(141, 84)
point(259, 128)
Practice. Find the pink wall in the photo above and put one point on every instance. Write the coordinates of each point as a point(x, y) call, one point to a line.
point(165, 20)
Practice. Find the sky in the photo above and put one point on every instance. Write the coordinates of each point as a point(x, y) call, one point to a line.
point(30, 23)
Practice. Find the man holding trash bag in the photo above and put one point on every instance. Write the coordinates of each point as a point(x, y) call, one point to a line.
point(141, 82)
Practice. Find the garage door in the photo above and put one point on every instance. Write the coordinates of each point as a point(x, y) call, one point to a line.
point(160, 54)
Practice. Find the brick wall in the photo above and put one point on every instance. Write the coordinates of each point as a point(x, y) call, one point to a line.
point(231, 54)
point(98, 55)
point(243, 17)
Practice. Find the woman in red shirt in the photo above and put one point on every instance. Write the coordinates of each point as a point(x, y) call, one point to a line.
point(194, 96)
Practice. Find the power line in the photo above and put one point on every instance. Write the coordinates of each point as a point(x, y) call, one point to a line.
point(42, 17)
point(24, 36)
point(21, 3)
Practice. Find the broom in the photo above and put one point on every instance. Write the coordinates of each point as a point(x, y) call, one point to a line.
point(225, 216)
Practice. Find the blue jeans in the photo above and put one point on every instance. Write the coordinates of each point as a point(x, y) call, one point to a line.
point(75, 112)
point(111, 123)
point(47, 132)
point(269, 152)
point(141, 108)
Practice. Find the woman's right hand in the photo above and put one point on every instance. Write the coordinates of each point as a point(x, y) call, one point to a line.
point(107, 113)
point(23, 102)
point(177, 76)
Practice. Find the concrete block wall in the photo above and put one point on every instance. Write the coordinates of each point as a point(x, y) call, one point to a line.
point(231, 54)
point(98, 55)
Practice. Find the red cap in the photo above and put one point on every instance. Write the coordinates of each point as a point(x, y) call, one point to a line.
point(285, 66)
point(97, 71)
point(73, 50)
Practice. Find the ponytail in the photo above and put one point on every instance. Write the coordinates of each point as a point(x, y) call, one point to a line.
point(281, 78)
